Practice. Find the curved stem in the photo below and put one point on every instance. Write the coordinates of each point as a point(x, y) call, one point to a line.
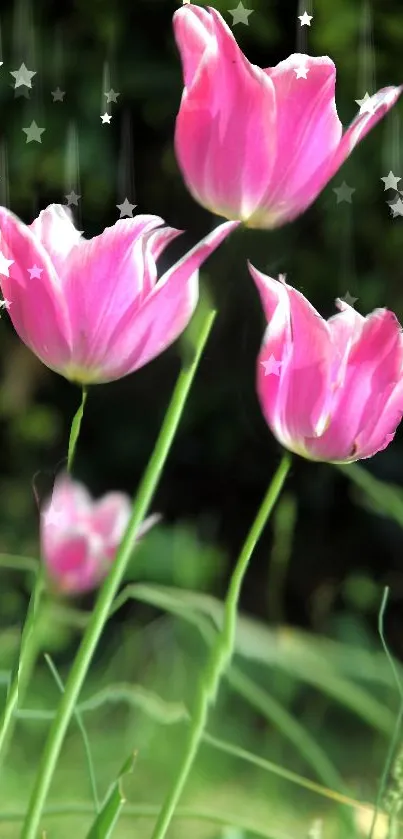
point(108, 591)
point(222, 651)
point(30, 638)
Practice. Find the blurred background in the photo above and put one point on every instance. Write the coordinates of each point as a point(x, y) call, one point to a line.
point(311, 688)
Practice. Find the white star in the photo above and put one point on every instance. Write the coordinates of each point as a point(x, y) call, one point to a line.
point(301, 72)
point(390, 181)
point(240, 14)
point(5, 264)
point(126, 208)
point(35, 272)
point(23, 76)
point(106, 117)
point(344, 193)
point(5, 304)
point(305, 19)
point(271, 366)
point(52, 516)
point(33, 132)
point(366, 105)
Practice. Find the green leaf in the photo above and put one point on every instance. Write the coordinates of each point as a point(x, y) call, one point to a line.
point(106, 819)
point(384, 498)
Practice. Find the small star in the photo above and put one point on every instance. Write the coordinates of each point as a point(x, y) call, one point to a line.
point(58, 95)
point(111, 96)
point(35, 272)
point(366, 106)
point(5, 264)
point(390, 181)
point(305, 19)
point(5, 304)
point(33, 132)
point(344, 193)
point(73, 198)
point(348, 299)
point(396, 207)
point(126, 208)
point(271, 366)
point(240, 14)
point(52, 516)
point(23, 76)
point(106, 117)
point(301, 72)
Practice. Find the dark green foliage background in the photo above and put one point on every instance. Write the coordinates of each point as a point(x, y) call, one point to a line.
point(224, 455)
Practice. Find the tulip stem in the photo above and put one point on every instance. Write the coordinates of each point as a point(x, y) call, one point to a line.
point(30, 640)
point(109, 589)
point(222, 651)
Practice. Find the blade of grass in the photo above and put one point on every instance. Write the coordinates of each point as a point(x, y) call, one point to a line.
point(107, 818)
point(81, 726)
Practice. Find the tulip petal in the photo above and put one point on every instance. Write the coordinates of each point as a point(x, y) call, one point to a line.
point(103, 280)
point(297, 399)
point(110, 517)
point(308, 127)
point(55, 229)
point(164, 314)
point(192, 28)
point(381, 102)
point(387, 414)
point(373, 365)
point(227, 160)
point(38, 309)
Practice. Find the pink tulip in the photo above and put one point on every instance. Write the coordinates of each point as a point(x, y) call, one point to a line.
point(259, 145)
point(329, 390)
point(80, 537)
point(95, 310)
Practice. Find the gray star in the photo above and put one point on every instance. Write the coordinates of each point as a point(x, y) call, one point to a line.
point(396, 207)
point(23, 76)
point(20, 91)
point(344, 193)
point(33, 132)
point(240, 14)
point(111, 96)
point(390, 181)
point(72, 198)
point(348, 299)
point(126, 208)
point(58, 95)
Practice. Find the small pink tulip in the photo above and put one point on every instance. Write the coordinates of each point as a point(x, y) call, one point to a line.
point(329, 390)
point(80, 537)
point(95, 310)
point(259, 145)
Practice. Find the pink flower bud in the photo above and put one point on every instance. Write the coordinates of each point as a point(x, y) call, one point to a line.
point(80, 537)
point(259, 145)
point(329, 390)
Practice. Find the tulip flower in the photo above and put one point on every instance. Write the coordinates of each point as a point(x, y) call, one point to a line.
point(259, 145)
point(329, 390)
point(80, 537)
point(94, 310)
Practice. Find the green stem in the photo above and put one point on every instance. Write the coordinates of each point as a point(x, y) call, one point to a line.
point(221, 652)
point(108, 591)
point(30, 638)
